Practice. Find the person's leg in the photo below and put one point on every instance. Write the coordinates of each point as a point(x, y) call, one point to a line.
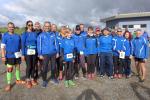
point(60, 68)
point(137, 67)
point(70, 65)
point(34, 62)
point(102, 64)
point(93, 59)
point(66, 65)
point(45, 67)
point(9, 77)
point(115, 61)
point(128, 67)
point(53, 66)
point(109, 60)
point(82, 64)
point(44, 70)
point(120, 68)
point(143, 70)
point(89, 66)
point(76, 66)
point(28, 68)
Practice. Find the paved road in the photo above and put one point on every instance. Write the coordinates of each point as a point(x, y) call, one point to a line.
point(98, 89)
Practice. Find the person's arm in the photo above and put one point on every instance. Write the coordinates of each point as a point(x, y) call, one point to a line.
point(3, 49)
point(39, 47)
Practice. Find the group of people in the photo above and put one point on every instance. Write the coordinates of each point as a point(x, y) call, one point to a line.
point(64, 53)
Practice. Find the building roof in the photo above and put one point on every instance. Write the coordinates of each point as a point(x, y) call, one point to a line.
point(127, 15)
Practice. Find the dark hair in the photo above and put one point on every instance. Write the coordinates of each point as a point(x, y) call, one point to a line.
point(130, 36)
point(29, 21)
point(11, 23)
point(90, 28)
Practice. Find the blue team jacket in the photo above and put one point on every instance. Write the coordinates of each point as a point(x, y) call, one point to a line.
point(68, 47)
point(105, 44)
point(47, 43)
point(12, 43)
point(91, 45)
point(118, 45)
point(140, 47)
point(28, 41)
point(79, 42)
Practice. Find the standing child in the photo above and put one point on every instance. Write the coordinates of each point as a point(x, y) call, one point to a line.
point(140, 53)
point(91, 52)
point(67, 52)
point(127, 60)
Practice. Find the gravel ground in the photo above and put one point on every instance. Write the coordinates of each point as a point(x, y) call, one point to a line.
point(98, 89)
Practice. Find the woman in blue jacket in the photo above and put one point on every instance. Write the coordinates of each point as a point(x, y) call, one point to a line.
point(128, 54)
point(118, 49)
point(68, 55)
point(29, 53)
point(140, 53)
point(91, 52)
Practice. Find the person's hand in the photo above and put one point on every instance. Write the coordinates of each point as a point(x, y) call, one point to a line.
point(23, 58)
point(41, 57)
point(64, 62)
point(3, 59)
point(145, 60)
point(131, 57)
point(57, 55)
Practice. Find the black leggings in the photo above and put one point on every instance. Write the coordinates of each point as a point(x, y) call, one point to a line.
point(69, 70)
point(118, 65)
point(91, 63)
point(79, 63)
point(45, 66)
point(31, 61)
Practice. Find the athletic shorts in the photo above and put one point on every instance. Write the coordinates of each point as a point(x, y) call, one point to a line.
point(13, 61)
point(140, 60)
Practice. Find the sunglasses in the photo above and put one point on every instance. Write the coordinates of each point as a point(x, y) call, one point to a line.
point(30, 24)
point(119, 31)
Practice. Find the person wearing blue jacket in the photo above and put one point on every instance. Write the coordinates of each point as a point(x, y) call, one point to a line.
point(29, 53)
point(11, 54)
point(140, 53)
point(118, 49)
point(38, 31)
point(59, 38)
point(80, 47)
point(128, 54)
point(98, 34)
point(106, 55)
point(47, 51)
point(91, 52)
point(68, 56)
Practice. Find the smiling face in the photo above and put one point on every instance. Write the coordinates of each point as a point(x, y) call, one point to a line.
point(138, 33)
point(29, 26)
point(106, 32)
point(47, 26)
point(53, 28)
point(37, 26)
point(11, 27)
point(127, 35)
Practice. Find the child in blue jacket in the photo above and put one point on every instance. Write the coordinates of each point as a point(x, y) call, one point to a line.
point(140, 53)
point(91, 45)
point(67, 52)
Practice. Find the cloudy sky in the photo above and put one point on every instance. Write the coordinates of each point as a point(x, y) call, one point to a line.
point(66, 12)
